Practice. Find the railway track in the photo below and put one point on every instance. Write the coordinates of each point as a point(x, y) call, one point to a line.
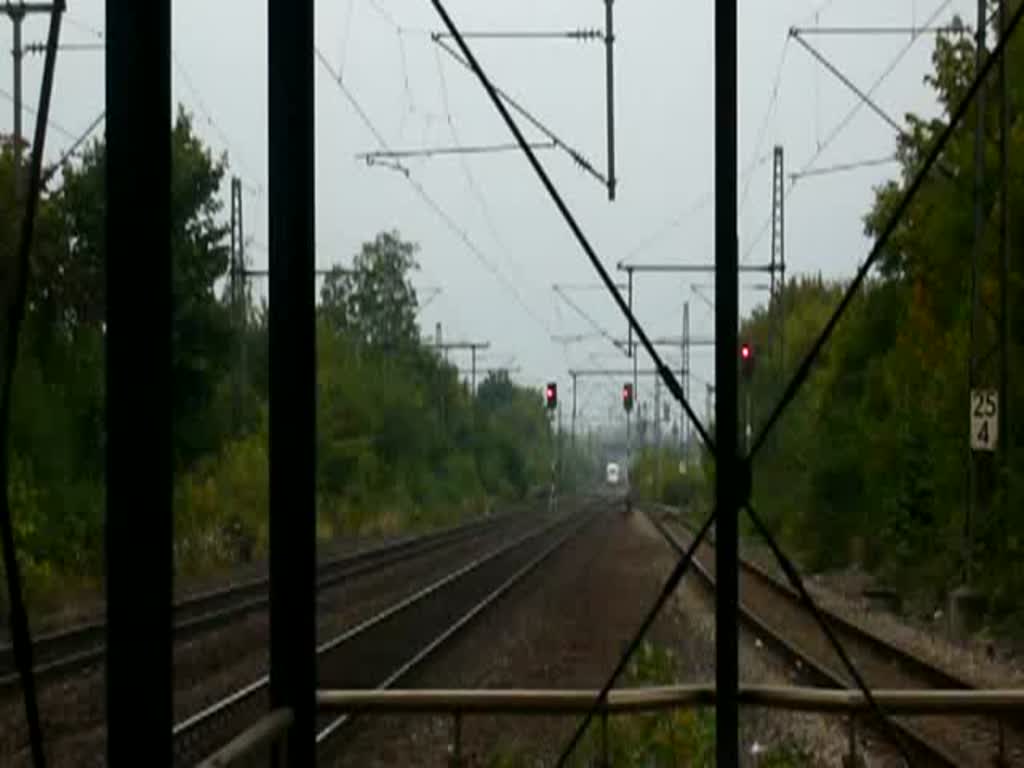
point(385, 648)
point(774, 613)
point(70, 650)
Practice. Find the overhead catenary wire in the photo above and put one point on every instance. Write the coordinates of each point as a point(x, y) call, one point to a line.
point(671, 383)
point(29, 110)
point(458, 149)
point(762, 130)
point(876, 31)
point(575, 154)
point(445, 217)
point(929, 161)
point(845, 121)
point(569, 34)
point(844, 167)
point(467, 171)
point(598, 328)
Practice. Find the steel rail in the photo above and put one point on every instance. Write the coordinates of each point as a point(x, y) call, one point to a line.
point(447, 634)
point(72, 649)
point(816, 670)
point(191, 727)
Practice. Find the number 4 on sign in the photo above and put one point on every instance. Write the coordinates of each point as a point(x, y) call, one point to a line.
point(984, 419)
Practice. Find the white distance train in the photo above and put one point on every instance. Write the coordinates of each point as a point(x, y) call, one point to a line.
point(612, 473)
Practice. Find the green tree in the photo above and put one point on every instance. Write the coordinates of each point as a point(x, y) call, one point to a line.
point(374, 302)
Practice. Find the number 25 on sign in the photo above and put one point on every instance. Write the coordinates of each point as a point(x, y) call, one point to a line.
point(984, 419)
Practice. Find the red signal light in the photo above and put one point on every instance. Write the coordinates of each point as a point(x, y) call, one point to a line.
point(745, 351)
point(551, 395)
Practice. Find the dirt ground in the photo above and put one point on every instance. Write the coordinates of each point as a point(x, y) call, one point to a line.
point(565, 627)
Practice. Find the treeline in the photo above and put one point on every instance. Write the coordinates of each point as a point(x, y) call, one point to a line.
point(870, 463)
point(402, 443)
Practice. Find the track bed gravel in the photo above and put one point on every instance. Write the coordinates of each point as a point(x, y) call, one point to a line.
point(209, 666)
point(565, 627)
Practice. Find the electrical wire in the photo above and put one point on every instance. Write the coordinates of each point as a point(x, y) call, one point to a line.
point(28, 110)
point(73, 150)
point(769, 112)
point(843, 123)
point(588, 318)
point(671, 383)
point(431, 203)
point(575, 154)
point(346, 35)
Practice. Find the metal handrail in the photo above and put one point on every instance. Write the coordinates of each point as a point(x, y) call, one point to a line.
point(272, 730)
point(631, 700)
point(269, 731)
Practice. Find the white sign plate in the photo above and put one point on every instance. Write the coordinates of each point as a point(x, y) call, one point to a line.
point(984, 419)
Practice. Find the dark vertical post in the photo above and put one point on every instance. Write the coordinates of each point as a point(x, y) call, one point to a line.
point(684, 422)
point(609, 47)
point(292, 373)
point(629, 413)
point(976, 328)
point(17, 16)
point(139, 450)
point(572, 441)
point(629, 326)
point(726, 427)
point(632, 347)
point(472, 383)
point(1004, 269)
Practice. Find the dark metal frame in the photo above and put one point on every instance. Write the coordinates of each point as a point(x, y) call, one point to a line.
point(138, 362)
point(292, 372)
point(138, 556)
point(733, 476)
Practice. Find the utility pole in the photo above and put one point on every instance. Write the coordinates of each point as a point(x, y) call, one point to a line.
point(684, 422)
point(17, 12)
point(239, 295)
point(657, 436)
point(472, 346)
point(631, 351)
point(572, 441)
point(979, 180)
point(1004, 258)
point(778, 255)
point(988, 365)
point(609, 46)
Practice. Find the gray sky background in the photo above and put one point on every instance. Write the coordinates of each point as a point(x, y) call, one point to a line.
point(503, 244)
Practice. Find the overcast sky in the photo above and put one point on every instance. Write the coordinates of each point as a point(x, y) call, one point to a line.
point(489, 236)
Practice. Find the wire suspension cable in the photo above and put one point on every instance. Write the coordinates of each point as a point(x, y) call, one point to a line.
point(431, 203)
point(479, 149)
point(846, 120)
point(652, 613)
point(73, 149)
point(671, 383)
point(20, 629)
point(873, 31)
point(575, 154)
point(843, 167)
point(590, 320)
point(930, 160)
point(571, 34)
point(793, 575)
point(847, 82)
